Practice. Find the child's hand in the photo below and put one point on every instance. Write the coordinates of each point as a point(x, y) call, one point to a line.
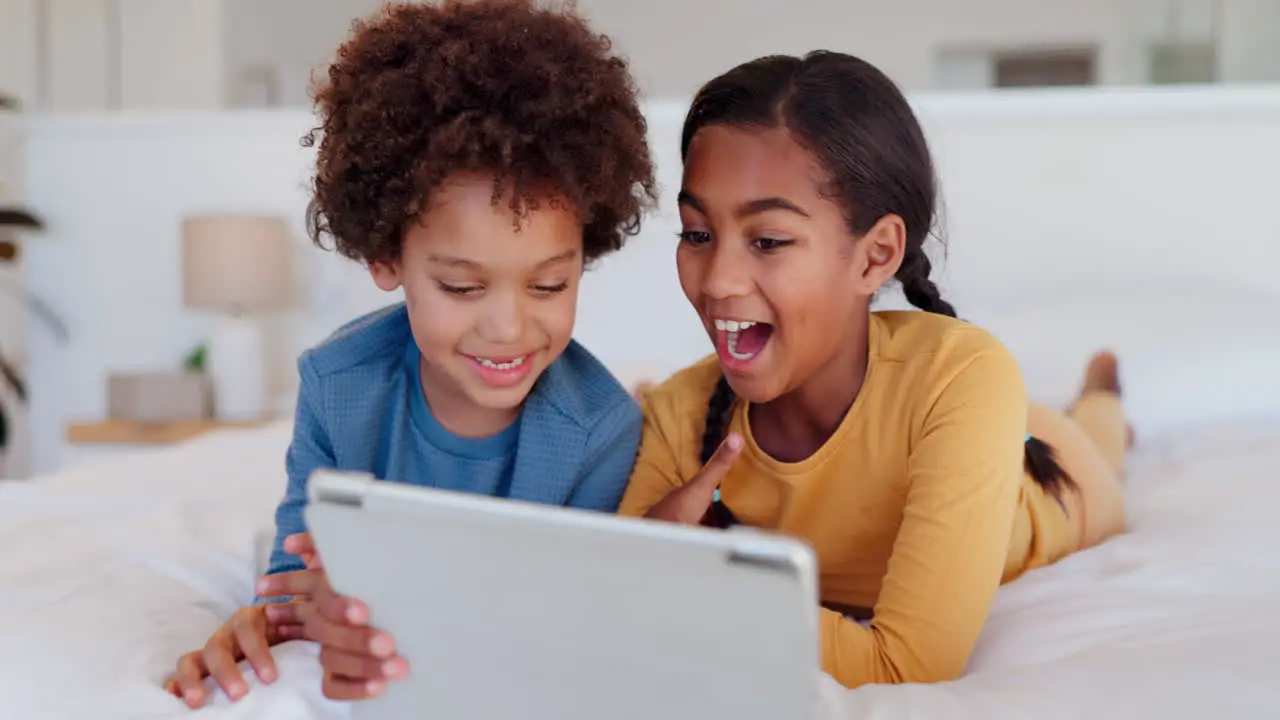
point(248, 635)
point(688, 503)
point(357, 659)
point(640, 388)
point(304, 547)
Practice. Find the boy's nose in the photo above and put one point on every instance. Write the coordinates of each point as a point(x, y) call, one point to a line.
point(503, 321)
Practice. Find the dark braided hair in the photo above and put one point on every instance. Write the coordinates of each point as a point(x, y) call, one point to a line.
point(857, 123)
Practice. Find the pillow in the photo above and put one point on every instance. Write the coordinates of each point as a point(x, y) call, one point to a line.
point(1185, 359)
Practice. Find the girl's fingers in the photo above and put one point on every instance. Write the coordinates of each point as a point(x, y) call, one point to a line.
point(716, 468)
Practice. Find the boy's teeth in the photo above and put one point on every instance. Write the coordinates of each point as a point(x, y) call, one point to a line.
point(501, 366)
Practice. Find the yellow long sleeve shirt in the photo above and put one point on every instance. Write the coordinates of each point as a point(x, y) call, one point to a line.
point(917, 507)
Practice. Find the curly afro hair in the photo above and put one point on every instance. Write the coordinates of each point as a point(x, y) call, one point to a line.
point(421, 92)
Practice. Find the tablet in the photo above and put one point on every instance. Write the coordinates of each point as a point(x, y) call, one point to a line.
point(507, 610)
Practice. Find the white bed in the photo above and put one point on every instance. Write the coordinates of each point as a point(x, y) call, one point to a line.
point(111, 570)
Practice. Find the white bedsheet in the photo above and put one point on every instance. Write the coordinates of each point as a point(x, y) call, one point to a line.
point(109, 571)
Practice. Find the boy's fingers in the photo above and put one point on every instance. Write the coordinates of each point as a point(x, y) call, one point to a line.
point(358, 666)
point(343, 610)
point(349, 638)
point(297, 582)
point(283, 613)
point(328, 622)
point(222, 666)
point(299, 543)
point(252, 639)
point(304, 547)
point(294, 631)
point(188, 680)
point(336, 687)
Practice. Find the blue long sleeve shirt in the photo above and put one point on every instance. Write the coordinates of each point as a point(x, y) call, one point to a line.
point(361, 408)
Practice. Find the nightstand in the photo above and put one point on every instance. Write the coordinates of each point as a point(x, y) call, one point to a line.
point(87, 440)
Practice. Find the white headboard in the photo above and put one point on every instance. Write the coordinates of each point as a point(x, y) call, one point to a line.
point(1047, 195)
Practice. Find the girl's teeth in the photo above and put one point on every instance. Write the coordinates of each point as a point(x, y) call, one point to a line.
point(733, 325)
point(486, 362)
point(732, 328)
point(731, 342)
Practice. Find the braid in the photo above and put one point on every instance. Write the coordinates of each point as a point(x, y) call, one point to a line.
point(717, 419)
point(1038, 459)
point(1041, 463)
point(719, 413)
point(916, 285)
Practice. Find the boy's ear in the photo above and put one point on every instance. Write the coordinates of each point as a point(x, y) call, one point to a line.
point(385, 275)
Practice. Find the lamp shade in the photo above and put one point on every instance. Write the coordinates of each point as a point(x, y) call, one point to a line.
point(236, 264)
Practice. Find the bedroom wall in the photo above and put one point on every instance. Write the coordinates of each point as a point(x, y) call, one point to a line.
point(905, 37)
point(81, 55)
point(902, 37)
point(1048, 194)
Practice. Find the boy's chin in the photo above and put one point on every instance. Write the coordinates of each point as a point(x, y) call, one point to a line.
point(491, 398)
point(500, 397)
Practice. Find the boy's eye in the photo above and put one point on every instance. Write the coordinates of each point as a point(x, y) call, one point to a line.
point(766, 244)
point(694, 237)
point(459, 289)
point(552, 289)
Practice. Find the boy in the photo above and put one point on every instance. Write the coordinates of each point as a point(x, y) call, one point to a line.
point(475, 155)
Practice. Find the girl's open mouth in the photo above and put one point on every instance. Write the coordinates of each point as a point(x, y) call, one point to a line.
point(740, 341)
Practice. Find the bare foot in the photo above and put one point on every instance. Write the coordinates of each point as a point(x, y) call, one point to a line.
point(1103, 375)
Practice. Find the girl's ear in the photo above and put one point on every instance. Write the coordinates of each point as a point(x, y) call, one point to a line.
point(385, 275)
point(883, 247)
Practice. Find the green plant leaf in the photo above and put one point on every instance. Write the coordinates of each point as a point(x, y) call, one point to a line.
point(195, 360)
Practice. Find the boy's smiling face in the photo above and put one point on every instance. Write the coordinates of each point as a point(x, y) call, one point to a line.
point(491, 303)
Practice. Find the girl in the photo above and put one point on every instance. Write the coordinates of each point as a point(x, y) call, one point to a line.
point(899, 444)
point(480, 185)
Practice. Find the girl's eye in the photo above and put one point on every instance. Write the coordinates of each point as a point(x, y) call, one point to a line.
point(770, 244)
point(552, 289)
point(459, 289)
point(694, 237)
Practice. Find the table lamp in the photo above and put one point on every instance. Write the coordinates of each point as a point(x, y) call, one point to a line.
point(239, 267)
